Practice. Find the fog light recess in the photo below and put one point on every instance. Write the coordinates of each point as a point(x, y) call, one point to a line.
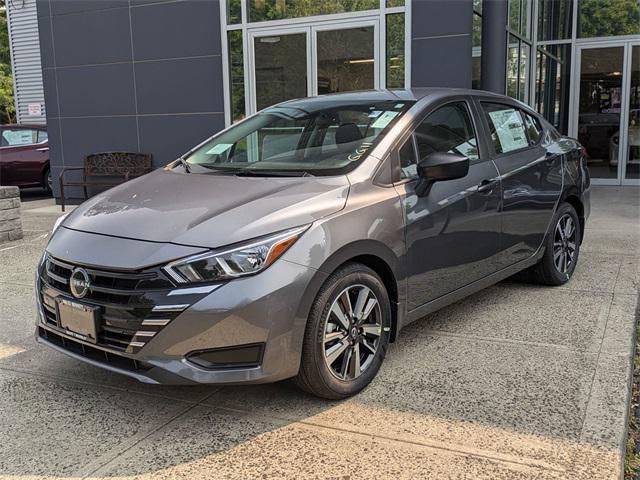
point(242, 356)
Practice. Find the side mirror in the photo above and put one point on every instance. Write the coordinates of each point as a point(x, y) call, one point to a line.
point(440, 166)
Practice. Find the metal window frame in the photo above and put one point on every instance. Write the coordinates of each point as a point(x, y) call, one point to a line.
point(249, 30)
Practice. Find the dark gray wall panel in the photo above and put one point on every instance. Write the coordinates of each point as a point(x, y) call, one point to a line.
point(46, 43)
point(96, 90)
point(434, 18)
point(43, 7)
point(179, 86)
point(92, 37)
point(169, 136)
point(50, 92)
point(159, 30)
point(441, 62)
point(82, 136)
point(62, 7)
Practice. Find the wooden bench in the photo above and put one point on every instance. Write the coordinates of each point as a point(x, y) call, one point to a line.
point(106, 170)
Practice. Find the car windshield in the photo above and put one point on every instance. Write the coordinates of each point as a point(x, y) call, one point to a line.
point(317, 138)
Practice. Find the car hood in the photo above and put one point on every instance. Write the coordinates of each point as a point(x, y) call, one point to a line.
point(208, 210)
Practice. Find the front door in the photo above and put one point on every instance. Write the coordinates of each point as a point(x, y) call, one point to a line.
point(606, 116)
point(452, 232)
point(288, 63)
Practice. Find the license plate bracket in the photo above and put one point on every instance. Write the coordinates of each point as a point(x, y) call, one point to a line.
point(78, 320)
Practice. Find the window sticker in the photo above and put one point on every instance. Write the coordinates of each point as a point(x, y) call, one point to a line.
point(374, 113)
point(384, 119)
point(509, 129)
point(219, 149)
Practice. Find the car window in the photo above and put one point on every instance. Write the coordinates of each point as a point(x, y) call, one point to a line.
point(42, 136)
point(534, 129)
point(407, 156)
point(448, 129)
point(506, 127)
point(18, 136)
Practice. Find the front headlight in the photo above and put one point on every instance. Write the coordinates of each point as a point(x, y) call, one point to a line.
point(240, 261)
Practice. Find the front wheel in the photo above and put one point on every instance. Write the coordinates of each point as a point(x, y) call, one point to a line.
point(562, 248)
point(347, 333)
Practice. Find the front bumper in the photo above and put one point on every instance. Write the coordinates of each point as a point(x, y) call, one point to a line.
point(264, 309)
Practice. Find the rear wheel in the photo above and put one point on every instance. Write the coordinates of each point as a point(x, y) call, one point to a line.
point(347, 334)
point(562, 249)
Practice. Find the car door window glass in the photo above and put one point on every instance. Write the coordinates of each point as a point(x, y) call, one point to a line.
point(407, 157)
point(534, 129)
point(17, 137)
point(507, 128)
point(42, 136)
point(448, 129)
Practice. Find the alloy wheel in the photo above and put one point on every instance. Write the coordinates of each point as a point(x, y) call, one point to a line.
point(49, 180)
point(352, 332)
point(564, 243)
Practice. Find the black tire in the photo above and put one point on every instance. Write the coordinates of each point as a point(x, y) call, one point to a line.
point(46, 180)
point(547, 272)
point(315, 375)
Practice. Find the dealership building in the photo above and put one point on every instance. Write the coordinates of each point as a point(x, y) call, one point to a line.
point(160, 76)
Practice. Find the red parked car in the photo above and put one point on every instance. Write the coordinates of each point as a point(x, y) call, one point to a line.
point(24, 156)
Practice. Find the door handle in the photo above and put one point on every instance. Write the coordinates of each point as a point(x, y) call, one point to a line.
point(43, 149)
point(486, 186)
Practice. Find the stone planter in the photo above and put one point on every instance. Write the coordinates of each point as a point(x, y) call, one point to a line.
point(10, 223)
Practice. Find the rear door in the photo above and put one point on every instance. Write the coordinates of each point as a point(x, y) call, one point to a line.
point(452, 233)
point(531, 179)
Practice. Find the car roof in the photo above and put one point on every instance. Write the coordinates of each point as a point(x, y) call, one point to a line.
point(412, 94)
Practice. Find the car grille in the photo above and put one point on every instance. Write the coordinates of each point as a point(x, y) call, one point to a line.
point(93, 353)
point(132, 307)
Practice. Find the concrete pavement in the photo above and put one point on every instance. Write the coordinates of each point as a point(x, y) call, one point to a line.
point(517, 381)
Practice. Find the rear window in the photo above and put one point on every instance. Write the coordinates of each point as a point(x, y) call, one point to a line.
point(18, 136)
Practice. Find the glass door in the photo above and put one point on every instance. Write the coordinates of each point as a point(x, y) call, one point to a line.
point(599, 109)
point(631, 130)
point(286, 63)
point(607, 110)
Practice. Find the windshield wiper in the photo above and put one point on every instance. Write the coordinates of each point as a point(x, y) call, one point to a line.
point(272, 173)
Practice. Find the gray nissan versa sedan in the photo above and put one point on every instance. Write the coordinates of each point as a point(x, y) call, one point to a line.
point(299, 241)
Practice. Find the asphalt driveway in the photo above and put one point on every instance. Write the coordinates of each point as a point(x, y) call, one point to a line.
point(517, 381)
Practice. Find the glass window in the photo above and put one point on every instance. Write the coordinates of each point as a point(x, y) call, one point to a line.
point(506, 127)
point(236, 80)
point(514, 15)
point(448, 129)
point(523, 72)
point(604, 18)
point(345, 60)
point(395, 3)
point(513, 63)
point(42, 136)
point(395, 50)
point(280, 68)
point(534, 129)
point(554, 19)
point(407, 157)
point(336, 137)
point(234, 14)
point(476, 51)
point(260, 10)
point(13, 137)
point(553, 84)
